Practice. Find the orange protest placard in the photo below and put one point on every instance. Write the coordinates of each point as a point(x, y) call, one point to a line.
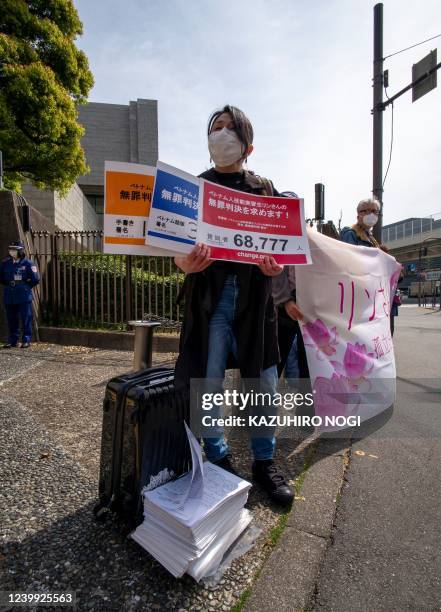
point(128, 193)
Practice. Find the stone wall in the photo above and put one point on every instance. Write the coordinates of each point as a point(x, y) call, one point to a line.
point(40, 199)
point(74, 212)
point(69, 213)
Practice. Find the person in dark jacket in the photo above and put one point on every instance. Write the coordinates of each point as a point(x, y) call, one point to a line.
point(289, 315)
point(292, 350)
point(291, 343)
point(360, 234)
point(229, 315)
point(18, 275)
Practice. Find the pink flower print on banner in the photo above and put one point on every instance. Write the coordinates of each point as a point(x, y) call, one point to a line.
point(317, 334)
point(357, 361)
point(357, 364)
point(333, 396)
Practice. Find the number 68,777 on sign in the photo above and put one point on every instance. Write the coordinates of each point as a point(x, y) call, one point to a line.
point(265, 243)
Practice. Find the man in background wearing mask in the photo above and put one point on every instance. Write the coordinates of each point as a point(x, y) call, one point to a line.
point(18, 275)
point(360, 234)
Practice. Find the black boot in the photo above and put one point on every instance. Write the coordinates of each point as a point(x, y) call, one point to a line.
point(267, 475)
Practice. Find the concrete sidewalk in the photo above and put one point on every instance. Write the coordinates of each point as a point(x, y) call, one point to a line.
point(287, 581)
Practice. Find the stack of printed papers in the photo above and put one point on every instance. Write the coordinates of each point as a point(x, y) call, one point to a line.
point(191, 522)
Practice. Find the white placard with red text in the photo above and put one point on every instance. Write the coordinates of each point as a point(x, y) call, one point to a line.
point(244, 227)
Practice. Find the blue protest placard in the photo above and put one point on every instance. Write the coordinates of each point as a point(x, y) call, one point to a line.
point(173, 216)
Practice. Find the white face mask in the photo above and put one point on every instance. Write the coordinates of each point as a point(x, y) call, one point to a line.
point(225, 147)
point(370, 220)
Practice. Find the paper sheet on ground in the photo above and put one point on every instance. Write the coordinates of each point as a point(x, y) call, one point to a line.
point(219, 486)
point(195, 490)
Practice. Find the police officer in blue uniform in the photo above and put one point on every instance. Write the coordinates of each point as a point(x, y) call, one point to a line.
point(18, 275)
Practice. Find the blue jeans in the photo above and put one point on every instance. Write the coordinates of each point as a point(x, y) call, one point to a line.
point(221, 342)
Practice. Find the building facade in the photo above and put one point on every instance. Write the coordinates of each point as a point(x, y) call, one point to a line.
point(416, 243)
point(113, 132)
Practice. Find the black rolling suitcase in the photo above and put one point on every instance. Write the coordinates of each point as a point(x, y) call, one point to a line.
point(155, 416)
point(143, 439)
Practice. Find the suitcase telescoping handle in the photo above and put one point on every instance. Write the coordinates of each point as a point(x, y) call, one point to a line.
point(143, 343)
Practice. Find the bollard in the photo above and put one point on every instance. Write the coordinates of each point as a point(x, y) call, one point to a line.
point(143, 343)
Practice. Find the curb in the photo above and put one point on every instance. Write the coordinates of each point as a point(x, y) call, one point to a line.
point(288, 578)
point(108, 340)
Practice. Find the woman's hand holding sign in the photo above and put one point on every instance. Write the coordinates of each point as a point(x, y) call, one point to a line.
point(196, 261)
point(269, 267)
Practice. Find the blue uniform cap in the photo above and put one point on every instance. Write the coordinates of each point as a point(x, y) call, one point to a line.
point(16, 244)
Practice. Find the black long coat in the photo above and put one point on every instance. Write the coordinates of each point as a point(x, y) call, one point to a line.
point(255, 324)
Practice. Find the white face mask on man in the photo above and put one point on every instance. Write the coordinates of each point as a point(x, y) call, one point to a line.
point(225, 147)
point(370, 220)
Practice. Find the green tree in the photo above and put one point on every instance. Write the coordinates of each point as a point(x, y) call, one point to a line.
point(43, 76)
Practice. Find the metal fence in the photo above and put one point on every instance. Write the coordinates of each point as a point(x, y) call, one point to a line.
point(82, 286)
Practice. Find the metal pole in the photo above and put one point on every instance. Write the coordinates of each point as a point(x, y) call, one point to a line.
point(128, 288)
point(143, 343)
point(377, 176)
point(419, 269)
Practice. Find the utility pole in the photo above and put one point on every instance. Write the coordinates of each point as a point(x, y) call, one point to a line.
point(423, 81)
point(377, 177)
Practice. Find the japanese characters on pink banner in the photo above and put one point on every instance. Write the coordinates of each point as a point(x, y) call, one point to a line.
point(244, 227)
point(346, 297)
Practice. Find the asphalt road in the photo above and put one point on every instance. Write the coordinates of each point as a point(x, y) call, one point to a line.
point(386, 543)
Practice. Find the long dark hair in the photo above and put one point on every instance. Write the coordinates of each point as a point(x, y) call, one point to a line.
point(242, 125)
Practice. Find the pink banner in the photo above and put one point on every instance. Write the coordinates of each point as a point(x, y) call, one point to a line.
point(346, 297)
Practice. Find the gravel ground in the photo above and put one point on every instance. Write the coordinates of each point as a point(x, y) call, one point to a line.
point(49, 459)
point(15, 361)
point(65, 390)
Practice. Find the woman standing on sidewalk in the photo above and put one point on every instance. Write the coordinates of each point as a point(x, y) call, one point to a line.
point(229, 314)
